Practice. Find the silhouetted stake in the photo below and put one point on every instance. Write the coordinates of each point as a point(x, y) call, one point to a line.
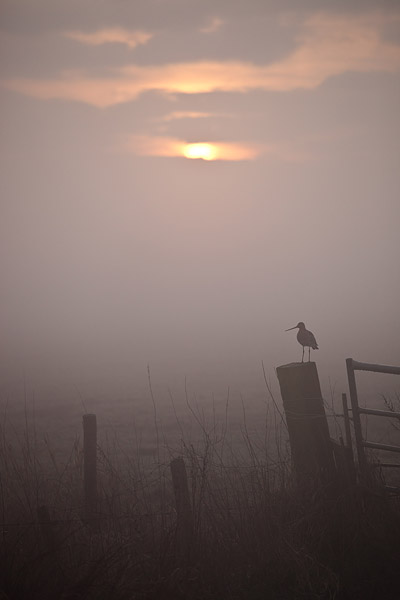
point(90, 466)
point(183, 507)
point(362, 463)
point(311, 447)
point(47, 529)
point(349, 443)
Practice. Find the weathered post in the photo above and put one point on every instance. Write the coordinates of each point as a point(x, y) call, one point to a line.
point(90, 465)
point(311, 448)
point(183, 506)
point(347, 427)
point(46, 527)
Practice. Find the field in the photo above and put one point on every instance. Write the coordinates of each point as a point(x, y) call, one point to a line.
point(250, 532)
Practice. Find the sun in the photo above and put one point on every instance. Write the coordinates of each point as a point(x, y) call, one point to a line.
point(200, 150)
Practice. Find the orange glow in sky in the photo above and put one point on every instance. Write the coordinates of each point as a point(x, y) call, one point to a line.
point(200, 150)
point(147, 145)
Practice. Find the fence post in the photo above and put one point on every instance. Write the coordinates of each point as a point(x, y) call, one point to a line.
point(183, 506)
point(311, 448)
point(346, 417)
point(46, 527)
point(356, 416)
point(90, 465)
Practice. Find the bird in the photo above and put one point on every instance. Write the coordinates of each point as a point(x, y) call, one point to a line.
point(305, 338)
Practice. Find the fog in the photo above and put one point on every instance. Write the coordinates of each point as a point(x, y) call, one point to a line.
point(114, 258)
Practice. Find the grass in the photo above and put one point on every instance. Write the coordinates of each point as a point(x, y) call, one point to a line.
point(255, 534)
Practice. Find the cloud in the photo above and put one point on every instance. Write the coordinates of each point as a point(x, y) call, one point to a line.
point(186, 114)
point(214, 25)
point(159, 146)
point(327, 46)
point(144, 145)
point(110, 36)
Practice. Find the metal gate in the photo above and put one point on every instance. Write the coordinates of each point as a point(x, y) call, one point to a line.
point(361, 443)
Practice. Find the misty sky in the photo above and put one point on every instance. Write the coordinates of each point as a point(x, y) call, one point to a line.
point(118, 249)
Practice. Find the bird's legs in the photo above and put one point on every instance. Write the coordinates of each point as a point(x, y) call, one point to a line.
point(302, 358)
point(309, 351)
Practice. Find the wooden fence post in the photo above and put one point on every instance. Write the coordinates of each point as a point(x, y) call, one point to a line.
point(346, 417)
point(46, 527)
point(90, 465)
point(183, 506)
point(311, 447)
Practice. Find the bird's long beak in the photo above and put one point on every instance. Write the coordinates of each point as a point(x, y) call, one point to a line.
point(290, 329)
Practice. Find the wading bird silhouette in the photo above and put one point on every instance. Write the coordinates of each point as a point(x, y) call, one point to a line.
point(305, 338)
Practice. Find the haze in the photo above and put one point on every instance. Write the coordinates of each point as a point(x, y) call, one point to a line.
point(119, 250)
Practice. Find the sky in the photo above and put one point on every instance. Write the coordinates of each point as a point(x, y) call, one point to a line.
point(181, 181)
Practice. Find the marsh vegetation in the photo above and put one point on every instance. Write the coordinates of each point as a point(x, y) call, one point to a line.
point(254, 532)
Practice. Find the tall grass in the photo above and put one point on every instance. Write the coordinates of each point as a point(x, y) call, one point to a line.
point(256, 534)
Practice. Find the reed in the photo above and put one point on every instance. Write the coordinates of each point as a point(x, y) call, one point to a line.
point(253, 535)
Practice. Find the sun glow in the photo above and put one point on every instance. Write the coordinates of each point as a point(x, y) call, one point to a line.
point(200, 150)
point(147, 145)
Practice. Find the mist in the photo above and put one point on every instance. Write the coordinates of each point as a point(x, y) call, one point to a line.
point(112, 260)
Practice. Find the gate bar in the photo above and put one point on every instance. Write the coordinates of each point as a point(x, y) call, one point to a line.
point(360, 366)
point(377, 446)
point(379, 413)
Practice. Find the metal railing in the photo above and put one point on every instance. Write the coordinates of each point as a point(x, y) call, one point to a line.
point(352, 366)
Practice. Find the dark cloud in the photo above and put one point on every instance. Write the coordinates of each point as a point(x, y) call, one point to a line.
point(27, 17)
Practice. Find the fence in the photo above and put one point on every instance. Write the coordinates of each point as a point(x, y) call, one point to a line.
point(357, 410)
point(313, 451)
